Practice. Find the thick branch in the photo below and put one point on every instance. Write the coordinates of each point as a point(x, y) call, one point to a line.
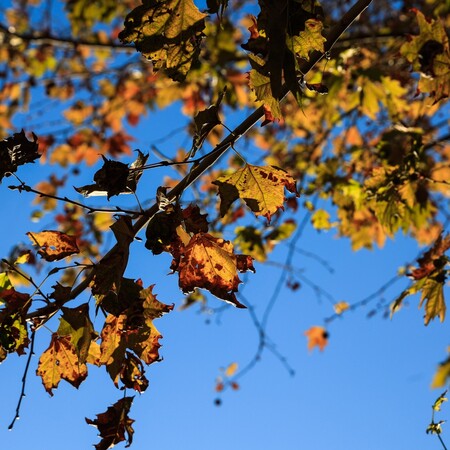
point(211, 158)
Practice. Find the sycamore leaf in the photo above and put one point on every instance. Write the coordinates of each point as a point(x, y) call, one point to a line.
point(54, 245)
point(167, 32)
point(429, 54)
point(210, 263)
point(60, 361)
point(132, 374)
point(442, 374)
point(259, 82)
point(261, 188)
point(16, 151)
point(114, 424)
point(13, 325)
point(250, 241)
point(308, 40)
point(317, 337)
point(433, 298)
point(75, 322)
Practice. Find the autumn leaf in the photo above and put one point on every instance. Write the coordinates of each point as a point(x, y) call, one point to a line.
point(210, 263)
point(16, 151)
point(54, 245)
point(60, 362)
point(340, 307)
point(114, 424)
point(308, 40)
point(317, 337)
point(429, 53)
point(259, 82)
point(115, 178)
point(167, 32)
point(13, 325)
point(433, 299)
point(442, 374)
point(261, 188)
point(231, 369)
point(75, 322)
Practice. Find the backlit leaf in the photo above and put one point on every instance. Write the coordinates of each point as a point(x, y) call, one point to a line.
point(261, 188)
point(308, 40)
point(54, 245)
point(442, 374)
point(210, 263)
point(167, 32)
point(433, 298)
point(60, 362)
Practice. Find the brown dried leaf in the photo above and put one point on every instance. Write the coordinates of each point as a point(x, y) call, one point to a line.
point(210, 263)
point(54, 245)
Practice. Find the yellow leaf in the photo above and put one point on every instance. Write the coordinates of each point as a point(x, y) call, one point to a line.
point(442, 374)
point(308, 40)
point(261, 188)
point(433, 297)
point(54, 245)
point(231, 369)
point(340, 307)
point(60, 361)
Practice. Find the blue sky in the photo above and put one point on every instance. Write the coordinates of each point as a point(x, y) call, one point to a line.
point(369, 389)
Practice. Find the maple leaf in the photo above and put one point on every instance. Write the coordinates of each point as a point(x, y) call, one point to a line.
point(75, 322)
point(60, 361)
point(429, 53)
point(16, 151)
point(433, 298)
point(114, 424)
point(115, 178)
point(259, 82)
point(13, 325)
point(54, 245)
point(317, 337)
point(210, 263)
point(167, 32)
point(261, 188)
point(308, 40)
point(194, 221)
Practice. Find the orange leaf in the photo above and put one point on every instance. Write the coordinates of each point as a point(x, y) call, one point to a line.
point(60, 361)
point(54, 245)
point(210, 263)
point(317, 337)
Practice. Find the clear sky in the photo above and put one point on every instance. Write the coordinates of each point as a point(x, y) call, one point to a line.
point(368, 390)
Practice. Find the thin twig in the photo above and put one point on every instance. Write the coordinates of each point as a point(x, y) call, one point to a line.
point(24, 380)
